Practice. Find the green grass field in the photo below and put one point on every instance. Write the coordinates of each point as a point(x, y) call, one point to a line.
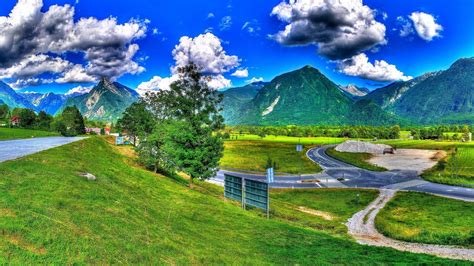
point(356, 159)
point(322, 209)
point(49, 214)
point(18, 133)
point(424, 218)
point(290, 140)
point(253, 156)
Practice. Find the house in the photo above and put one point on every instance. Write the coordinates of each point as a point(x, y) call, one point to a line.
point(93, 130)
point(107, 131)
point(15, 120)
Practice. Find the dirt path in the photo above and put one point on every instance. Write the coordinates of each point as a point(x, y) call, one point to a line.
point(362, 227)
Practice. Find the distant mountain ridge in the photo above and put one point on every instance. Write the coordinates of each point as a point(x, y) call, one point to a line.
point(106, 101)
point(353, 91)
point(11, 98)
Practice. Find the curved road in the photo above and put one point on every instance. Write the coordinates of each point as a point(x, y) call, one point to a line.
point(337, 174)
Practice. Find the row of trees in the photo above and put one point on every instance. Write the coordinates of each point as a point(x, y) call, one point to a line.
point(69, 123)
point(178, 129)
point(440, 132)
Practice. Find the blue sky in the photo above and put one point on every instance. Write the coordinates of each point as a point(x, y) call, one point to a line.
point(264, 56)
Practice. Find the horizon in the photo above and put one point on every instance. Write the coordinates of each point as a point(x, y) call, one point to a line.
point(139, 44)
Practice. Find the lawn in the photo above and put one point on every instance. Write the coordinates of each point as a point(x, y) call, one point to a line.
point(424, 218)
point(322, 209)
point(49, 214)
point(290, 140)
point(19, 133)
point(253, 156)
point(356, 159)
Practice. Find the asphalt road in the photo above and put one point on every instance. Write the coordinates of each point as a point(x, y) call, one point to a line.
point(341, 175)
point(13, 149)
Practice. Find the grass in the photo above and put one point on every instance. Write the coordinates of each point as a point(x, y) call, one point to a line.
point(424, 218)
point(49, 214)
point(253, 156)
point(356, 159)
point(289, 140)
point(322, 209)
point(19, 133)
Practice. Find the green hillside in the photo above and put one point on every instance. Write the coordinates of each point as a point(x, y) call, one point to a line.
point(49, 214)
point(234, 98)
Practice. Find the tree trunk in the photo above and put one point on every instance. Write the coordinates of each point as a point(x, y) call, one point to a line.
point(191, 183)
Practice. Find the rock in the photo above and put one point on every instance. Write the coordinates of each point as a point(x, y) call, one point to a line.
point(89, 176)
point(362, 147)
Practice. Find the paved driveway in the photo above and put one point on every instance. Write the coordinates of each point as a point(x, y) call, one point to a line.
point(12, 149)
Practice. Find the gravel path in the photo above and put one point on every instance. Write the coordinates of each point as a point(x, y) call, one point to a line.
point(362, 227)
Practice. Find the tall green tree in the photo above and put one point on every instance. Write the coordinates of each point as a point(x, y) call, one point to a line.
point(72, 122)
point(137, 121)
point(4, 111)
point(43, 120)
point(27, 118)
point(189, 112)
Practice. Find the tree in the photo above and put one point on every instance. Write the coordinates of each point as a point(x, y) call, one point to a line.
point(137, 121)
point(4, 111)
point(188, 115)
point(43, 120)
point(73, 122)
point(27, 118)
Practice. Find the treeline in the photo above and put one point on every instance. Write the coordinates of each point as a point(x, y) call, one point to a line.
point(392, 132)
point(440, 132)
point(69, 123)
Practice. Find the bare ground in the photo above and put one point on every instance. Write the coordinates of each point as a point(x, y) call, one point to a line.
point(408, 159)
point(362, 227)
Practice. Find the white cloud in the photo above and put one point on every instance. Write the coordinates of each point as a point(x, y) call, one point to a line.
point(107, 46)
point(340, 28)
point(155, 31)
point(79, 90)
point(380, 70)
point(406, 26)
point(226, 23)
point(206, 52)
point(210, 15)
point(27, 82)
point(155, 84)
point(76, 74)
point(252, 27)
point(241, 73)
point(425, 25)
point(254, 79)
point(217, 82)
point(34, 65)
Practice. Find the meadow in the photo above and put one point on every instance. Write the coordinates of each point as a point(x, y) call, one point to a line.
point(424, 218)
point(19, 133)
point(50, 214)
point(356, 159)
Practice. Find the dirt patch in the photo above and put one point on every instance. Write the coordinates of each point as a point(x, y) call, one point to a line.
point(7, 213)
point(21, 243)
point(408, 159)
point(325, 215)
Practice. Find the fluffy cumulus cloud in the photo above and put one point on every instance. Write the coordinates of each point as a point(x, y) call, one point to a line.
point(79, 90)
point(32, 38)
point(425, 25)
point(241, 73)
point(380, 70)
point(207, 53)
point(340, 28)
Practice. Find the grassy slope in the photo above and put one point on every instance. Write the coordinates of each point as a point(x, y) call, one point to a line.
point(253, 155)
point(425, 218)
point(290, 140)
point(356, 159)
point(18, 133)
point(464, 165)
point(340, 204)
point(49, 214)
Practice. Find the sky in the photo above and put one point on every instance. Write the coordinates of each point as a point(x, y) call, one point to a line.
point(64, 46)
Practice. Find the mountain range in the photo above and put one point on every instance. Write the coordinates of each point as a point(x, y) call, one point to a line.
point(301, 97)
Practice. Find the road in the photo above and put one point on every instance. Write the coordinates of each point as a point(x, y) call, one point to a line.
point(13, 149)
point(337, 174)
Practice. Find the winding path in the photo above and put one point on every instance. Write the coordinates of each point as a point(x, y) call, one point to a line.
point(362, 227)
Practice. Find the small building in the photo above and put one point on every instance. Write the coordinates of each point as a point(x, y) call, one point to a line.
point(15, 121)
point(107, 131)
point(93, 130)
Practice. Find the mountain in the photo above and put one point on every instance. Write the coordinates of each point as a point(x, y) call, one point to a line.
point(353, 91)
point(11, 98)
point(234, 98)
point(443, 97)
point(106, 101)
point(303, 97)
point(49, 102)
